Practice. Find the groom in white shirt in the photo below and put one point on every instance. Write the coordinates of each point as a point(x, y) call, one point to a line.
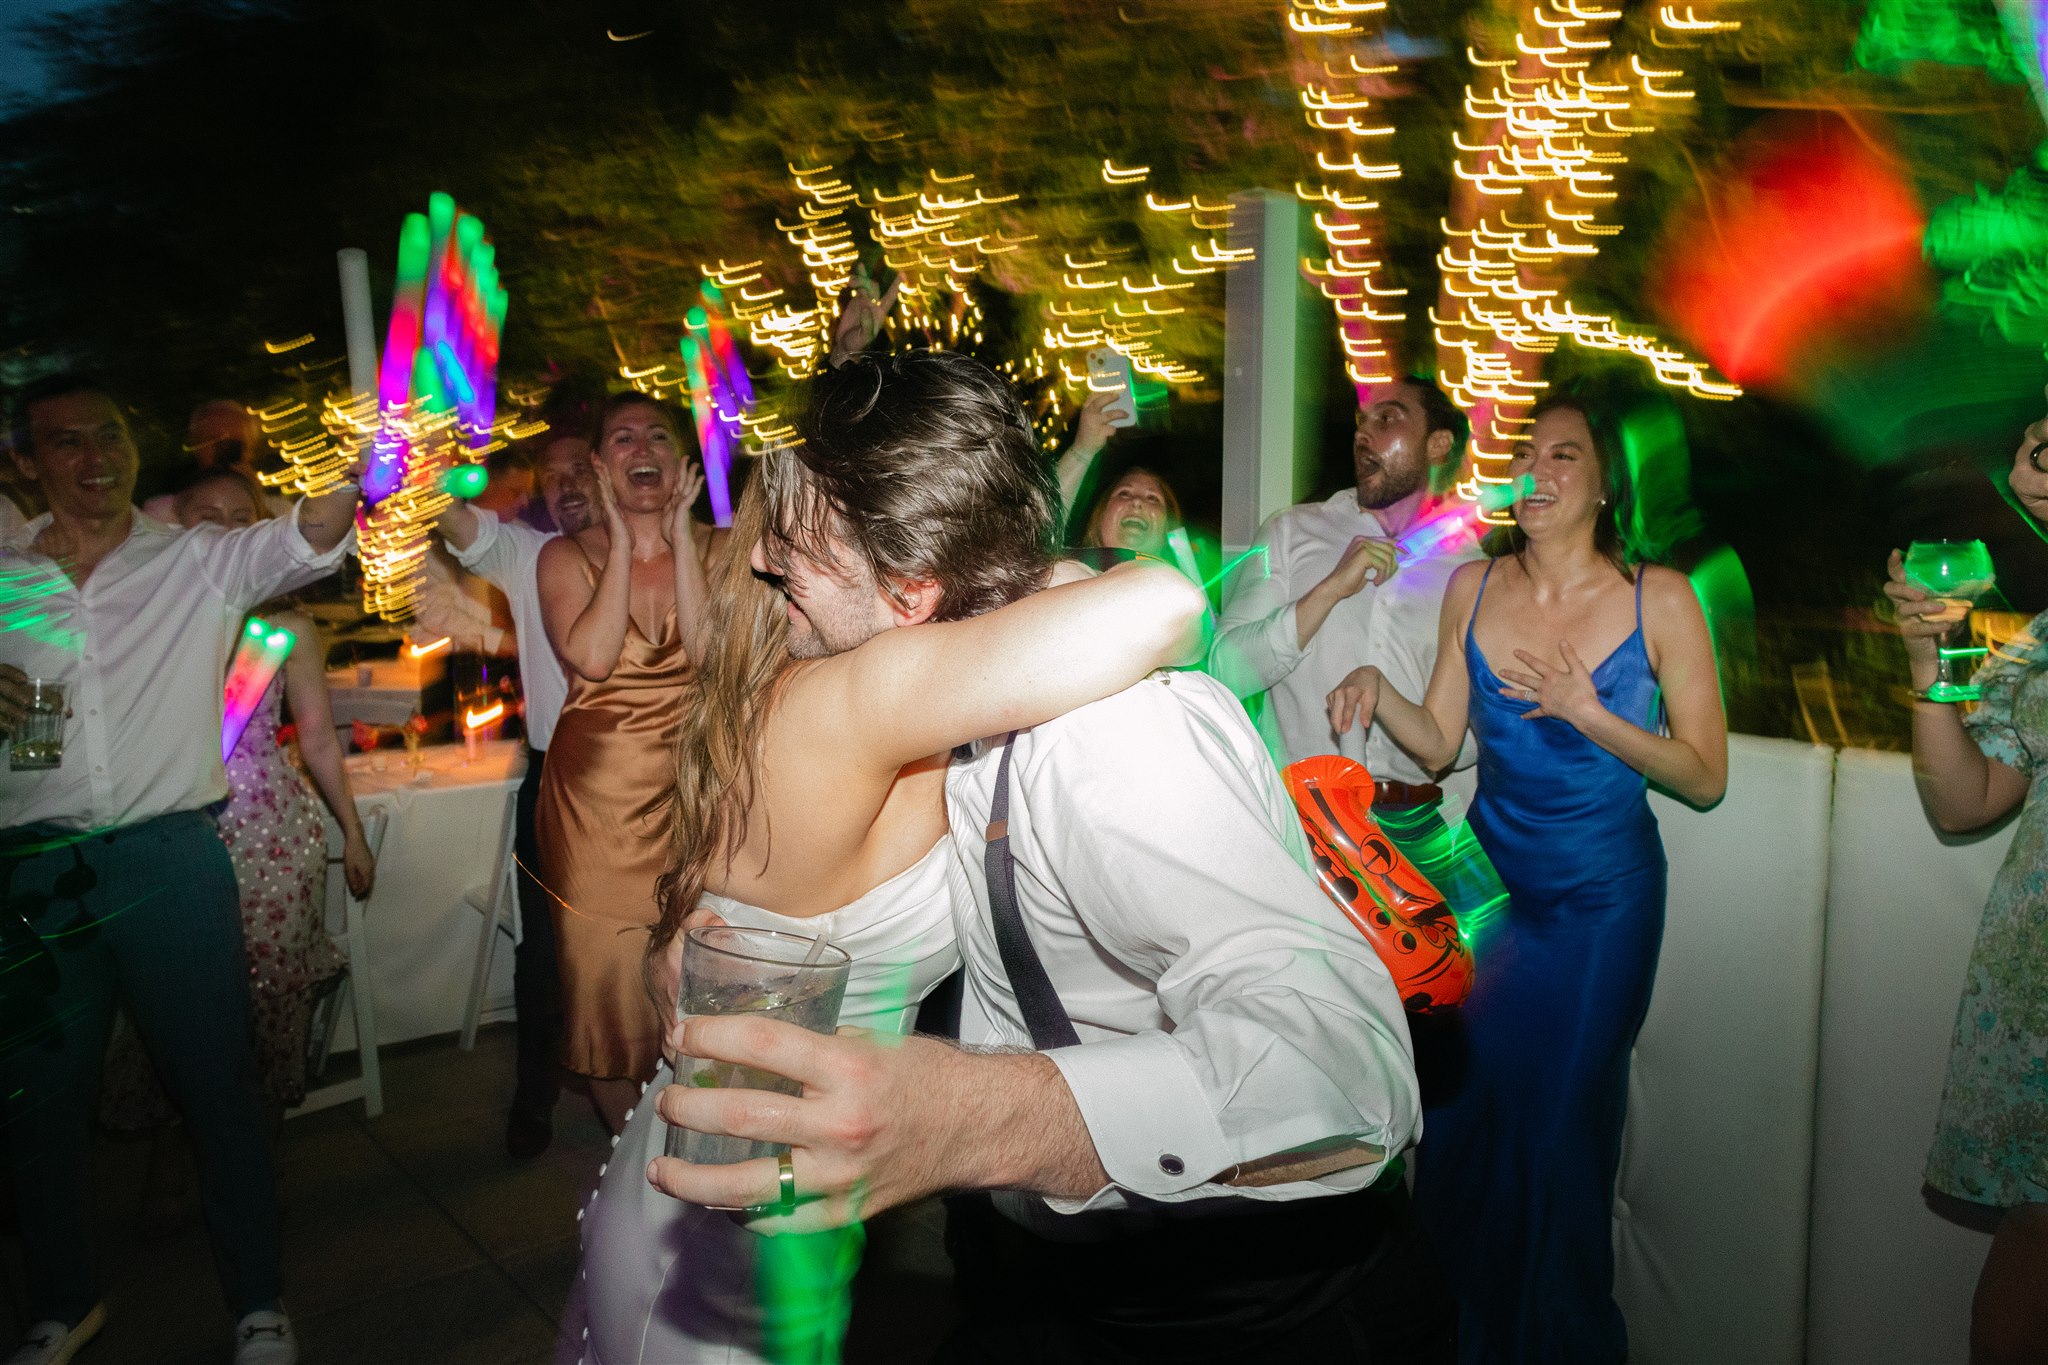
point(1189, 1077)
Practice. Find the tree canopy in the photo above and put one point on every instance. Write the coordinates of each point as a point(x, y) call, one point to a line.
point(176, 205)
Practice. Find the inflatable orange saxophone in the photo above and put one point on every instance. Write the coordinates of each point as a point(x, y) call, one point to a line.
point(1378, 889)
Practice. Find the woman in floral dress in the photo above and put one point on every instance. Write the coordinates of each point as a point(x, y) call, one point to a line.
point(274, 833)
point(1991, 1136)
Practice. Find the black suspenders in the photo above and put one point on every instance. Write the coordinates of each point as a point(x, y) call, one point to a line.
point(1043, 1013)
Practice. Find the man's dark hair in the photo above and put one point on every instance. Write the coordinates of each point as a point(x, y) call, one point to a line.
point(61, 385)
point(925, 463)
point(1439, 413)
point(509, 456)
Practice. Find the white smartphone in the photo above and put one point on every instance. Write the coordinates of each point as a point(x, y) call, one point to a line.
point(1109, 371)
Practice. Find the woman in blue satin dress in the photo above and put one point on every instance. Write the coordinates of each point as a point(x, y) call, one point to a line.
point(1515, 1174)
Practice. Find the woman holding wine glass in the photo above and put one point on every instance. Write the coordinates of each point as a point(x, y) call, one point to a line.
point(1991, 1134)
point(1584, 676)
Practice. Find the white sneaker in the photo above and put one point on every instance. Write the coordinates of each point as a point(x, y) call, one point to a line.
point(52, 1343)
point(265, 1338)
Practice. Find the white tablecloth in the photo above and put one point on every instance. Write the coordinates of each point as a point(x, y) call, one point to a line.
point(442, 839)
point(383, 691)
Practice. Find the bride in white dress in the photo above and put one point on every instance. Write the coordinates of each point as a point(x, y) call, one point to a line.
point(811, 798)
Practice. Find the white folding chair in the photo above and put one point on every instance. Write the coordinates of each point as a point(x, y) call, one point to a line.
point(355, 989)
point(497, 905)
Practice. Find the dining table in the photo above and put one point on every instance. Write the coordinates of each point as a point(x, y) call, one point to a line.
point(446, 812)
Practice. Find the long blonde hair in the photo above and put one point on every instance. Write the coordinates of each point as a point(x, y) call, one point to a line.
point(718, 753)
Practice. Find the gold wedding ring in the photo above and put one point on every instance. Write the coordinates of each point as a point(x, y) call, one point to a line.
point(787, 1168)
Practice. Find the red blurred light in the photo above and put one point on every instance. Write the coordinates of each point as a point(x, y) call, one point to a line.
point(1811, 235)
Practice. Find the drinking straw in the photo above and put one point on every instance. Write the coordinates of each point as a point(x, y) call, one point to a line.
point(809, 963)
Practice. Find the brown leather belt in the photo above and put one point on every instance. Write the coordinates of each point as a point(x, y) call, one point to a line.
point(1404, 795)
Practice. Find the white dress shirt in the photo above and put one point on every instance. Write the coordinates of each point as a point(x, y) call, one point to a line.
point(1227, 1011)
point(1393, 625)
point(164, 506)
point(507, 553)
point(143, 650)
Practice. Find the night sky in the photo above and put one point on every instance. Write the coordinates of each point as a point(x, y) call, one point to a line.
point(21, 71)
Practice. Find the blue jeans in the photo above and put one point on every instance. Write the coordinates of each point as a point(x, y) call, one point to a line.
point(147, 915)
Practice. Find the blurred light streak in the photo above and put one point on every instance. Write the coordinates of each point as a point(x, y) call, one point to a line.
point(1327, 47)
point(21, 590)
point(1533, 176)
point(435, 406)
point(259, 653)
point(1822, 231)
point(721, 394)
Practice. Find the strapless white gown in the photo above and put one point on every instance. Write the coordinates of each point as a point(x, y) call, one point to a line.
point(669, 1283)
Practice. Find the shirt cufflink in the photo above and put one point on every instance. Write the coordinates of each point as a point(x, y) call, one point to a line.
point(1153, 1125)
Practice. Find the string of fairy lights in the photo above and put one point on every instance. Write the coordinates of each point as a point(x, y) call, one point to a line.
point(1111, 307)
point(1547, 126)
point(939, 237)
point(1545, 137)
point(1548, 121)
point(1340, 84)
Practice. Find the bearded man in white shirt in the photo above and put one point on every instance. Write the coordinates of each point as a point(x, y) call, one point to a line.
point(1188, 1076)
point(1326, 588)
point(114, 885)
point(507, 554)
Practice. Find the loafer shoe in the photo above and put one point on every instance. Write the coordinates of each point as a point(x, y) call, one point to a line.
point(528, 1134)
point(265, 1337)
point(54, 1343)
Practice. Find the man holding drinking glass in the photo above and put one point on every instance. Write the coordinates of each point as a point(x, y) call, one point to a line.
point(109, 863)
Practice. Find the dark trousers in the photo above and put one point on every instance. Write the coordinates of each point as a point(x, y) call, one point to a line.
point(536, 975)
point(147, 916)
point(1344, 1278)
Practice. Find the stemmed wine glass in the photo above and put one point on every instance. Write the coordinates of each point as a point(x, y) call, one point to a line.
point(414, 733)
point(1959, 573)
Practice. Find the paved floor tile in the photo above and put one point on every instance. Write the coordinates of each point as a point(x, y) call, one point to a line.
point(413, 1239)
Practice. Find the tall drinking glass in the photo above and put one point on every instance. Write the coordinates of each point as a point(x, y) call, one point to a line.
point(1959, 573)
point(39, 738)
point(752, 971)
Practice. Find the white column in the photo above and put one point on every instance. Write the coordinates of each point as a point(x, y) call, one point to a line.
point(358, 327)
point(1273, 349)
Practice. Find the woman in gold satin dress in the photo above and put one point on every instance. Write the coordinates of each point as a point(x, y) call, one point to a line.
point(623, 602)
